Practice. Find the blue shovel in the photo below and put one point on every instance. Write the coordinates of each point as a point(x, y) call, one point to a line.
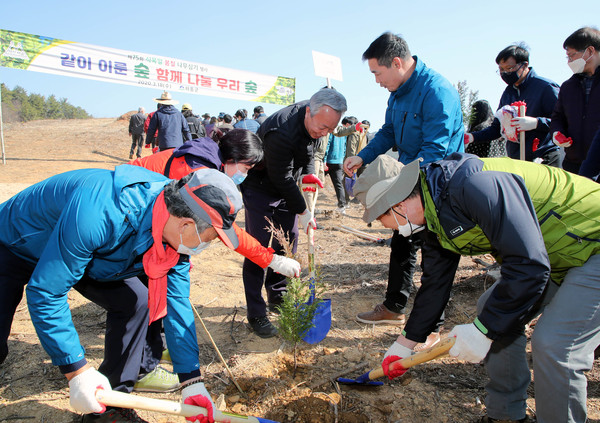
point(322, 317)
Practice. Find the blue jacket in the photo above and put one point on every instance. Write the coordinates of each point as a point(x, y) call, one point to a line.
point(336, 150)
point(97, 222)
point(249, 124)
point(540, 95)
point(173, 129)
point(423, 119)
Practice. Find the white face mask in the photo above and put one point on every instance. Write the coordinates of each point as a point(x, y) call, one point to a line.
point(578, 65)
point(408, 228)
point(184, 249)
point(239, 176)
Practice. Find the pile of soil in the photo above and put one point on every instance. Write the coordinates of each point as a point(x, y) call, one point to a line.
point(355, 270)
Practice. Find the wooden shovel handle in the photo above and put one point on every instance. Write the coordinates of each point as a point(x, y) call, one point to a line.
point(123, 400)
point(426, 355)
point(418, 358)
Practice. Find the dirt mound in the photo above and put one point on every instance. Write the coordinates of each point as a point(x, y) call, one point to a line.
point(444, 390)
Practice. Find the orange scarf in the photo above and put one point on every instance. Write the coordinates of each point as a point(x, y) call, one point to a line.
point(158, 261)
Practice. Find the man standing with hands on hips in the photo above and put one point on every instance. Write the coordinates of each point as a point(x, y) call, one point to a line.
point(423, 120)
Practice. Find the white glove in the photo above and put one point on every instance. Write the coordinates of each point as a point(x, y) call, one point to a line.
point(306, 219)
point(83, 391)
point(525, 123)
point(285, 265)
point(471, 345)
point(196, 393)
point(399, 350)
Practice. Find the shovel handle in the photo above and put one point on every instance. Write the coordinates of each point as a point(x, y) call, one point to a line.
point(418, 358)
point(123, 400)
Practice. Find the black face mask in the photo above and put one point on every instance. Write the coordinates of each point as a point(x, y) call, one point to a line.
point(510, 77)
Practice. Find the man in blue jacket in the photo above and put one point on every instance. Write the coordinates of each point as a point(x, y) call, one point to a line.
point(122, 239)
point(423, 120)
point(539, 94)
point(173, 129)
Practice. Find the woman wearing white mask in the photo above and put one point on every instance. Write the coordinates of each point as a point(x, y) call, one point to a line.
point(576, 116)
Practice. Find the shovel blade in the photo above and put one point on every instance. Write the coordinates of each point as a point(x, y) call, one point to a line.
point(321, 322)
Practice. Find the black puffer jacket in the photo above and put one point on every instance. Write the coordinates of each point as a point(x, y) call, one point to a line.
point(288, 155)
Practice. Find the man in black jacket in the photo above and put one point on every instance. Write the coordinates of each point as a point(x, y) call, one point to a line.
point(136, 130)
point(271, 190)
point(196, 128)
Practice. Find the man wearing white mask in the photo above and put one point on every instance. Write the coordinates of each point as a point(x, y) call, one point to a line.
point(122, 239)
point(529, 217)
point(576, 116)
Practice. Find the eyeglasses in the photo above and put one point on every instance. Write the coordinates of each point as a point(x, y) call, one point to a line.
point(570, 56)
point(515, 68)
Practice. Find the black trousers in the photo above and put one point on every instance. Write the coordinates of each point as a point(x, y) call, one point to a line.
point(126, 303)
point(336, 172)
point(259, 207)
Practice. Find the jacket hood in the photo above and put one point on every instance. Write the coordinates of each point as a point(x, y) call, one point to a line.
point(200, 152)
point(438, 174)
point(169, 109)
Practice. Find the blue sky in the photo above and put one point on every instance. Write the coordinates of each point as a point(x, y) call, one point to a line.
point(459, 39)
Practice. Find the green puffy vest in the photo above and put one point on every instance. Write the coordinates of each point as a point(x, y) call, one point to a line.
point(567, 208)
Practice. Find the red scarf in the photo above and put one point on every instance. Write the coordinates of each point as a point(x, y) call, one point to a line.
point(158, 261)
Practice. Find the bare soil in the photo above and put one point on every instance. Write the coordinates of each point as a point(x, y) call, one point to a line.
point(443, 390)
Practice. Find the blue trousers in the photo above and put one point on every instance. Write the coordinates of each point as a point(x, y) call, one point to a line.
point(126, 349)
point(259, 207)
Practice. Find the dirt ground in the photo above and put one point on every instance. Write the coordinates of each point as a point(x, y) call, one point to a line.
point(443, 390)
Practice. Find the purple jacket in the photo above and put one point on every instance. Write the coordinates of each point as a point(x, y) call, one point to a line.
point(575, 118)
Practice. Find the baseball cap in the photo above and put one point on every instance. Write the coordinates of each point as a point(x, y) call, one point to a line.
point(186, 106)
point(388, 183)
point(214, 198)
point(221, 115)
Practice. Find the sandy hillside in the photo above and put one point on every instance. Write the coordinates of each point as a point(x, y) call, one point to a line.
point(444, 390)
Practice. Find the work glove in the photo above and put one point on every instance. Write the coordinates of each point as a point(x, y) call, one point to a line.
point(312, 179)
point(196, 394)
point(561, 140)
point(359, 127)
point(325, 167)
point(396, 352)
point(285, 265)
point(524, 123)
point(468, 138)
point(307, 219)
point(83, 391)
point(471, 344)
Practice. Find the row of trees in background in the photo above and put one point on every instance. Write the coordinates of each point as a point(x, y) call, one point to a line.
point(18, 106)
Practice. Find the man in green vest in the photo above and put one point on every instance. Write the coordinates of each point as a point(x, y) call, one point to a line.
point(543, 226)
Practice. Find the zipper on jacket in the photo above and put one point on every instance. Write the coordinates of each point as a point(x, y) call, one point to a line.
point(402, 131)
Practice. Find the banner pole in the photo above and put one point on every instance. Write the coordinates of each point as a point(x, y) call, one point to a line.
point(2, 131)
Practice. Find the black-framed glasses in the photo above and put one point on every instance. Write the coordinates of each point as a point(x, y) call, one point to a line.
point(515, 68)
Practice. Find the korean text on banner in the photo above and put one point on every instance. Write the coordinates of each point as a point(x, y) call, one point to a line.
point(50, 55)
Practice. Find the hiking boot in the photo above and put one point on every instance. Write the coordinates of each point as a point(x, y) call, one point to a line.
point(114, 415)
point(158, 380)
point(381, 314)
point(130, 156)
point(486, 419)
point(274, 308)
point(262, 327)
point(433, 339)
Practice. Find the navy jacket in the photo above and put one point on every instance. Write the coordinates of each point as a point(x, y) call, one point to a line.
point(288, 155)
point(576, 118)
point(173, 129)
point(540, 95)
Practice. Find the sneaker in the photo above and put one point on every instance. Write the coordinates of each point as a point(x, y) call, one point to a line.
point(114, 415)
point(341, 210)
point(165, 358)
point(433, 339)
point(262, 326)
point(158, 380)
point(381, 314)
